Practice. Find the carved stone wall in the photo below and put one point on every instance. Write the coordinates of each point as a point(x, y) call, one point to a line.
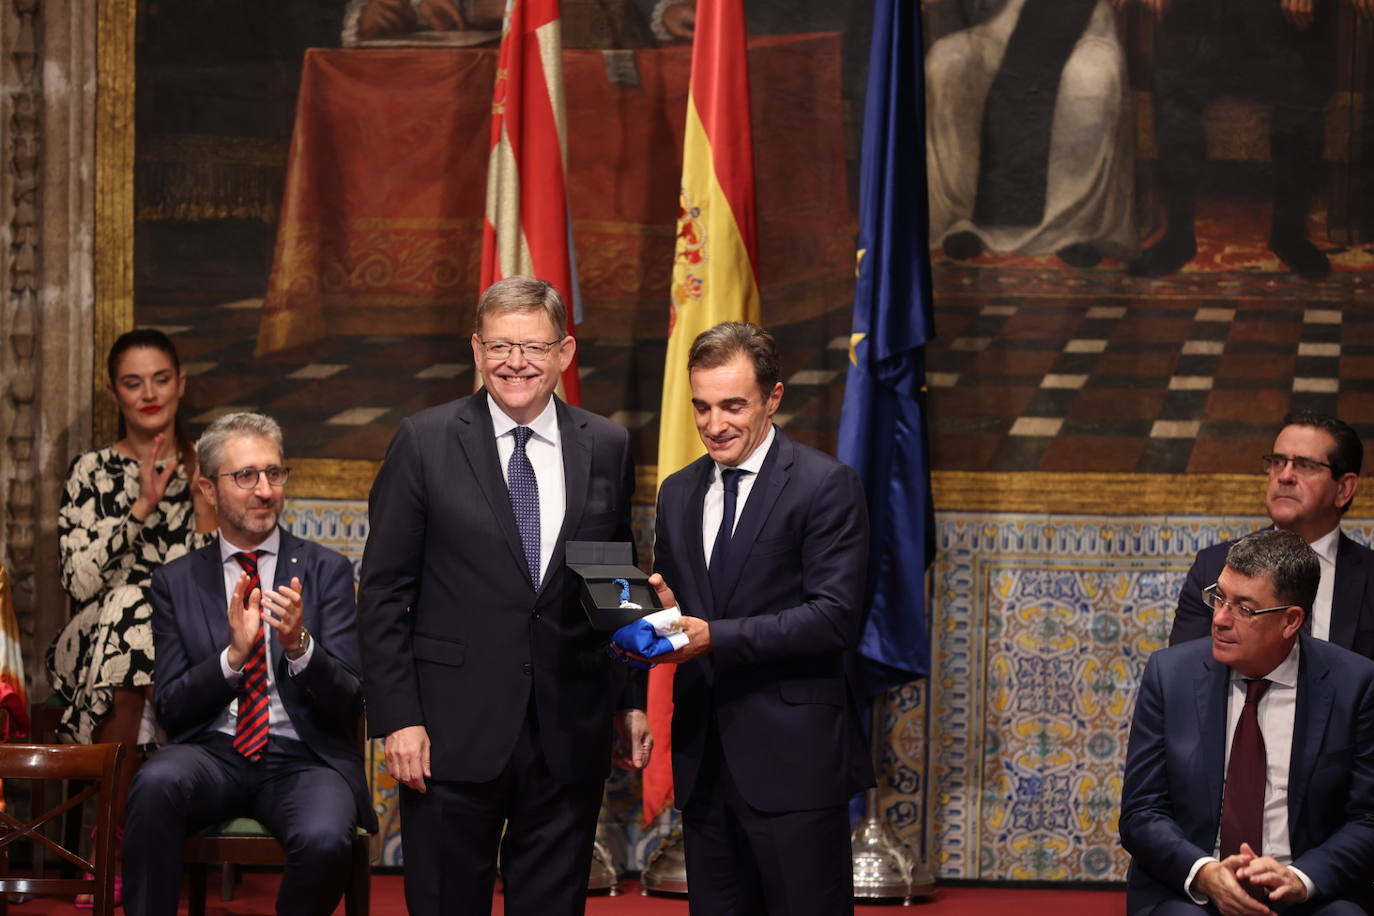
point(47, 168)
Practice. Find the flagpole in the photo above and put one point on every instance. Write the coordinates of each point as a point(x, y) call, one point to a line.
point(884, 866)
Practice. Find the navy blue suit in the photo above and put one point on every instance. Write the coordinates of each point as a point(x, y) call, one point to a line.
point(311, 793)
point(764, 724)
point(1175, 771)
point(1352, 597)
point(511, 683)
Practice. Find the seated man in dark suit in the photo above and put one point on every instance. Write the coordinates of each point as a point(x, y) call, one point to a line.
point(765, 542)
point(258, 688)
point(1314, 472)
point(1249, 783)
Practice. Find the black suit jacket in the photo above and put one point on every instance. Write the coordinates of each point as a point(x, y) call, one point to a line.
point(1352, 597)
point(454, 636)
point(1175, 771)
point(191, 629)
point(774, 682)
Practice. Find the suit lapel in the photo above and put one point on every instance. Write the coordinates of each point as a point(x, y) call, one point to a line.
point(1211, 687)
point(576, 446)
point(702, 472)
point(1346, 592)
point(1313, 710)
point(208, 573)
point(477, 437)
point(763, 496)
point(288, 566)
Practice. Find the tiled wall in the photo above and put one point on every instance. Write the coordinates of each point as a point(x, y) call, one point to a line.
point(1005, 764)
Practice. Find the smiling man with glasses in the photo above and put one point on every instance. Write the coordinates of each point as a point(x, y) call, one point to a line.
point(494, 694)
point(1313, 473)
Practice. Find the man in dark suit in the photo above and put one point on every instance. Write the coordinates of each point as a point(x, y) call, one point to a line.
point(493, 692)
point(1279, 52)
point(1314, 471)
point(1249, 782)
point(763, 545)
point(260, 701)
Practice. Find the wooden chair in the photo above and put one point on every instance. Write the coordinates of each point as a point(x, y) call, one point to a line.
point(245, 841)
point(97, 764)
point(44, 719)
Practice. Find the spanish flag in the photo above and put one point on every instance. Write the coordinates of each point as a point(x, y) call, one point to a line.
point(528, 228)
point(715, 276)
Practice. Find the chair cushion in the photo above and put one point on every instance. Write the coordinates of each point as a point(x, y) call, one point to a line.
point(238, 826)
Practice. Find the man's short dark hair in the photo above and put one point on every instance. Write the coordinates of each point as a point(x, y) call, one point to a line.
point(1283, 556)
point(1347, 455)
point(714, 347)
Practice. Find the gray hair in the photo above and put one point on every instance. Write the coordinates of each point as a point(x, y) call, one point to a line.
point(210, 445)
point(523, 294)
point(1286, 559)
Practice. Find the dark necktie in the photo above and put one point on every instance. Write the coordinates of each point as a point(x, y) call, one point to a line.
point(250, 733)
point(1242, 807)
point(720, 551)
point(524, 499)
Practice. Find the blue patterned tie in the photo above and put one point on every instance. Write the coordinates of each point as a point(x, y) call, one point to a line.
point(720, 551)
point(524, 499)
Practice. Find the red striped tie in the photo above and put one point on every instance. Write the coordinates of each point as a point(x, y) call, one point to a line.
point(250, 734)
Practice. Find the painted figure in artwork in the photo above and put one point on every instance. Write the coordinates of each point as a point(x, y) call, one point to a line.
point(1282, 53)
point(1029, 134)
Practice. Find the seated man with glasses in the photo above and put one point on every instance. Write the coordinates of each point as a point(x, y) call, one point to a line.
point(1249, 779)
point(1314, 471)
point(258, 684)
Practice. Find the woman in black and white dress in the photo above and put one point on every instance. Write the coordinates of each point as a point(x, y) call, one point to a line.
point(128, 508)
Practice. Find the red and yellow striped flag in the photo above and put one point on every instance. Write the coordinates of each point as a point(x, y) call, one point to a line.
point(715, 276)
point(528, 229)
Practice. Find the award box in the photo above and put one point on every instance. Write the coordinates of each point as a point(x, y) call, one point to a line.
point(597, 564)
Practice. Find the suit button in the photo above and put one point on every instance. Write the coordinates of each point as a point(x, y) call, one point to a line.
point(536, 615)
point(527, 668)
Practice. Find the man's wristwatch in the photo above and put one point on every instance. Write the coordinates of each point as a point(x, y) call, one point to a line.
point(301, 645)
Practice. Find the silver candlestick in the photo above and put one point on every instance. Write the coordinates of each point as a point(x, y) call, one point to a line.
point(884, 866)
point(666, 871)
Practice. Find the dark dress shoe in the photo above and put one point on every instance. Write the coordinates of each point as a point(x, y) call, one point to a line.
point(1165, 257)
point(1302, 257)
point(963, 246)
point(1080, 254)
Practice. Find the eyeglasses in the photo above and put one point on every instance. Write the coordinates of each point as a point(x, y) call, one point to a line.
point(247, 478)
point(1307, 467)
point(534, 350)
point(1212, 598)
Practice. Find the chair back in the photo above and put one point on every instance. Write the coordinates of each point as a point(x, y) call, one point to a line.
point(97, 765)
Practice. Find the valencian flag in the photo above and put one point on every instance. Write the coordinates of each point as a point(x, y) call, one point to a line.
point(528, 229)
point(882, 426)
point(715, 276)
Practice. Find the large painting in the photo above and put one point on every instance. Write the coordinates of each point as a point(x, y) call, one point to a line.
point(1150, 239)
point(310, 182)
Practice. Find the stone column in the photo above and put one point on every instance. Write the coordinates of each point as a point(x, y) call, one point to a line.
point(48, 73)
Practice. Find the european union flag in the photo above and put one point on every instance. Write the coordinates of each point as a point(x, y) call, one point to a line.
point(882, 428)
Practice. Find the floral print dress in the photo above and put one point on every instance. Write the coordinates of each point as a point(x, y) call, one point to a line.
point(108, 559)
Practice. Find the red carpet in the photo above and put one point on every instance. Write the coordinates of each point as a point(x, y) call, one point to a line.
point(256, 894)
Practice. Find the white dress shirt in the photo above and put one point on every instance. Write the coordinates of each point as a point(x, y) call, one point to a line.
point(1276, 712)
point(545, 450)
point(278, 722)
point(1325, 547)
point(714, 507)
